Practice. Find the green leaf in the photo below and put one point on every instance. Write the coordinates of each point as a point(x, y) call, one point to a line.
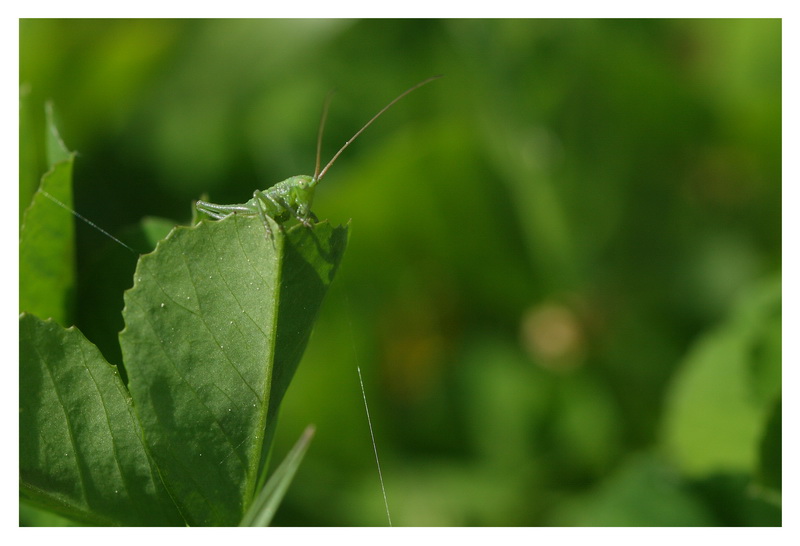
point(57, 150)
point(31, 516)
point(151, 230)
point(32, 161)
point(263, 509)
point(720, 403)
point(47, 239)
point(215, 325)
point(81, 452)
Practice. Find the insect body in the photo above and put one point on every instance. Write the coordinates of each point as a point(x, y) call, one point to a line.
point(281, 202)
point(292, 198)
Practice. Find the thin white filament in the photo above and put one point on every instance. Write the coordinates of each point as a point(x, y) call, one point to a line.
point(374, 446)
point(95, 226)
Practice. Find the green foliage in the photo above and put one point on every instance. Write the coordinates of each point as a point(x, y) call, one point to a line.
point(263, 509)
point(642, 493)
point(81, 451)
point(215, 325)
point(47, 233)
point(771, 454)
point(554, 249)
point(720, 404)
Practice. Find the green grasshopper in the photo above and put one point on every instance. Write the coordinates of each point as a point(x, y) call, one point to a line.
point(292, 198)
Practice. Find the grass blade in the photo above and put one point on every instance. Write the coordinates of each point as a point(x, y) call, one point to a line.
point(263, 509)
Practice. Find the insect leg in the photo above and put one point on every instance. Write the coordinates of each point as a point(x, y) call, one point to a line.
point(304, 215)
point(218, 212)
point(261, 208)
point(281, 204)
point(304, 219)
point(278, 202)
point(215, 215)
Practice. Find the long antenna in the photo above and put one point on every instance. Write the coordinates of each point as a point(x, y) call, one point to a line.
point(376, 116)
point(321, 128)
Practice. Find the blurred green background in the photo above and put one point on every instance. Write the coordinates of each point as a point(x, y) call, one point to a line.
point(563, 282)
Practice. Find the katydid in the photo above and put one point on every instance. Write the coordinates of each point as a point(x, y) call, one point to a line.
point(292, 198)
